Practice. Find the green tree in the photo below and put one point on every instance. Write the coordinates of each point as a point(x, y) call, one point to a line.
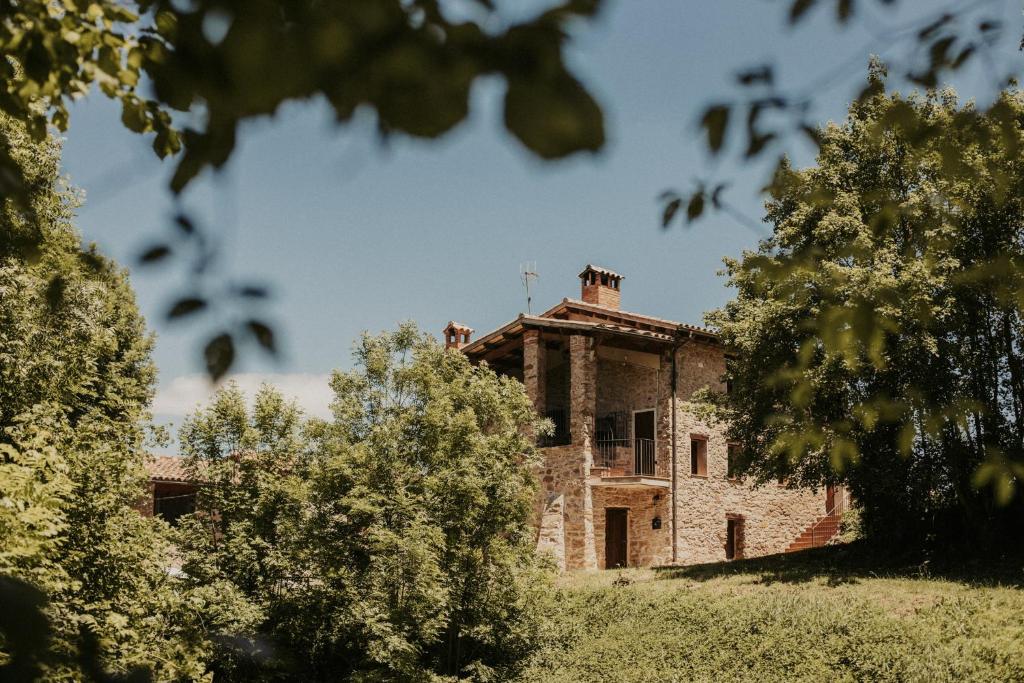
point(878, 332)
point(391, 542)
point(75, 380)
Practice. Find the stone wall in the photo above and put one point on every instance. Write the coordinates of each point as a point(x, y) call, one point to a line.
point(570, 512)
point(579, 534)
point(647, 546)
point(626, 386)
point(535, 372)
point(563, 488)
point(773, 516)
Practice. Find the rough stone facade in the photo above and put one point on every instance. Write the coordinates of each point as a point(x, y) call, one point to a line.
point(573, 499)
point(647, 547)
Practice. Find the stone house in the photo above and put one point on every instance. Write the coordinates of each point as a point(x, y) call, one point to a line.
point(631, 475)
point(170, 492)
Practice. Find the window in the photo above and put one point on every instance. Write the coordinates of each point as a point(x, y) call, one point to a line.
point(560, 437)
point(732, 467)
point(728, 386)
point(698, 457)
point(173, 503)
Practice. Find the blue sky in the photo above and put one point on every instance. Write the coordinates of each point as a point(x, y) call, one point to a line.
point(351, 235)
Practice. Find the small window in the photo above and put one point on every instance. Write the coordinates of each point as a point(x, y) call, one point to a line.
point(732, 466)
point(174, 504)
point(728, 386)
point(698, 457)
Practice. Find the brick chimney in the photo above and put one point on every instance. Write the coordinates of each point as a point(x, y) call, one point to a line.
point(456, 335)
point(601, 286)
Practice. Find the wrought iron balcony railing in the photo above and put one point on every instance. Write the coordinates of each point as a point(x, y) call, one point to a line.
point(606, 454)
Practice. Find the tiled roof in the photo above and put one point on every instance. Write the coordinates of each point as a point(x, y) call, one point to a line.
point(618, 312)
point(609, 319)
point(167, 468)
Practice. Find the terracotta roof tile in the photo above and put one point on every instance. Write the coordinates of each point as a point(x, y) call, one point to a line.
point(615, 311)
point(167, 468)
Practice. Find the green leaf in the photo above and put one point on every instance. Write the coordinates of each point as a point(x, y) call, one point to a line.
point(964, 55)
point(813, 133)
point(799, 9)
point(185, 224)
point(220, 355)
point(844, 10)
point(940, 49)
point(263, 335)
point(757, 143)
point(695, 207)
point(554, 119)
point(761, 75)
point(155, 253)
point(716, 195)
point(252, 292)
point(931, 29)
point(716, 121)
point(670, 211)
point(186, 306)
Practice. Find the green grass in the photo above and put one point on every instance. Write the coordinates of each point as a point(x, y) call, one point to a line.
point(831, 614)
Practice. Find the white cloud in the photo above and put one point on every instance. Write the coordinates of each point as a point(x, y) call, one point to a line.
point(182, 395)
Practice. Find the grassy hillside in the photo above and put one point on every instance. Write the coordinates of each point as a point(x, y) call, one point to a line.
point(829, 614)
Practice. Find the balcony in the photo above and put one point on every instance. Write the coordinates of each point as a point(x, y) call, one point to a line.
point(625, 457)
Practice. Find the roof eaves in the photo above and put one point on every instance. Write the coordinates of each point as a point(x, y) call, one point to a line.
point(576, 303)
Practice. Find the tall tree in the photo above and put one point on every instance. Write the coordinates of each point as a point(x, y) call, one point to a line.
point(391, 542)
point(878, 333)
point(75, 381)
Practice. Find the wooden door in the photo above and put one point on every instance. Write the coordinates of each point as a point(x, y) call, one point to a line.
point(615, 537)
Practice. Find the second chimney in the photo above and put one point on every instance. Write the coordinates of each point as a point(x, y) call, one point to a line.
point(456, 335)
point(601, 286)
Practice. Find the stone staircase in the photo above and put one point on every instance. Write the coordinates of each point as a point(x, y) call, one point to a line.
point(824, 528)
point(818, 534)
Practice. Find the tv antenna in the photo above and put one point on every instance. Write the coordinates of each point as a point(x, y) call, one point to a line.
point(528, 271)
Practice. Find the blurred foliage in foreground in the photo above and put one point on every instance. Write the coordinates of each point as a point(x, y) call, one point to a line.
point(220, 62)
point(878, 334)
point(189, 74)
